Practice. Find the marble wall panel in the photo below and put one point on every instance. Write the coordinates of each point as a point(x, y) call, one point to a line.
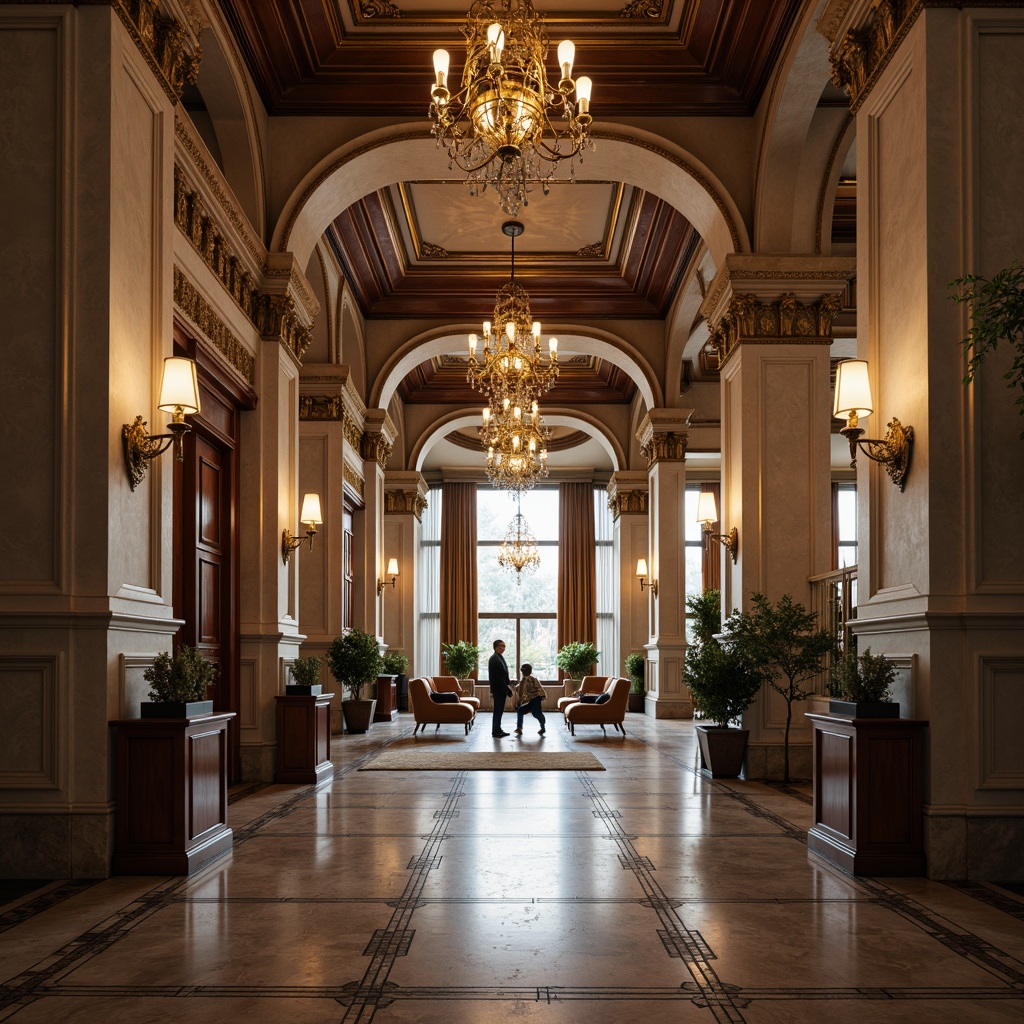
point(28, 696)
point(1002, 712)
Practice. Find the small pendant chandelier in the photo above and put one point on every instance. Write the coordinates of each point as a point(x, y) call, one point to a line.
point(519, 552)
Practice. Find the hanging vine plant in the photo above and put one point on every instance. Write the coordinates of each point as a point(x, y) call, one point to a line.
point(996, 307)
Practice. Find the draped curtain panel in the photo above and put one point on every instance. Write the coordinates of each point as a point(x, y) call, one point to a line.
point(458, 565)
point(711, 551)
point(577, 565)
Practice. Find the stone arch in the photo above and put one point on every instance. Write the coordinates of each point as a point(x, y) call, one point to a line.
point(222, 84)
point(797, 139)
point(588, 341)
point(622, 154)
point(456, 420)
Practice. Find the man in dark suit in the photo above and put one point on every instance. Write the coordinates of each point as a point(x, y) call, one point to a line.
point(497, 676)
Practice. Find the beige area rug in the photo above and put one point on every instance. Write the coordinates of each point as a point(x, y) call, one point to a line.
point(482, 761)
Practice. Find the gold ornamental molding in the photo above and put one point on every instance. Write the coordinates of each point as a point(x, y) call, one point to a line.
point(860, 56)
point(171, 49)
point(353, 432)
point(320, 407)
point(375, 447)
point(404, 502)
point(272, 315)
point(354, 480)
point(189, 300)
point(628, 503)
point(786, 321)
point(663, 446)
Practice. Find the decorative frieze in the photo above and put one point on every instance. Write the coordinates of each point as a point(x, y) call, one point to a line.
point(859, 57)
point(628, 503)
point(787, 321)
point(272, 315)
point(171, 50)
point(320, 407)
point(190, 302)
point(352, 432)
point(354, 480)
point(404, 502)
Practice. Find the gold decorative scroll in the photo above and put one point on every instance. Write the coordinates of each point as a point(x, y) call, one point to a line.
point(171, 52)
point(623, 503)
point(663, 446)
point(320, 407)
point(404, 502)
point(375, 447)
point(783, 322)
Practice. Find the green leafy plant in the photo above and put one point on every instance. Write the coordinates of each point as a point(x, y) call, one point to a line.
point(306, 671)
point(996, 306)
point(461, 657)
point(721, 679)
point(636, 664)
point(783, 643)
point(576, 658)
point(354, 659)
point(180, 678)
point(395, 663)
point(866, 679)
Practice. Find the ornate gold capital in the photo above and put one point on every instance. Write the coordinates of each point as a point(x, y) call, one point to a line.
point(319, 407)
point(171, 52)
point(664, 447)
point(623, 503)
point(404, 502)
point(375, 447)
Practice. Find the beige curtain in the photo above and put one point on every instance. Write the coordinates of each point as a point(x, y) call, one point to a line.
point(577, 565)
point(835, 526)
point(458, 565)
point(711, 552)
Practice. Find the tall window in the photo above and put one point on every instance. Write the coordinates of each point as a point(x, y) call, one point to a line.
point(845, 526)
point(428, 643)
point(607, 586)
point(523, 613)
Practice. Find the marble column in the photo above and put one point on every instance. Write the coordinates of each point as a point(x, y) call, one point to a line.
point(771, 319)
point(662, 436)
point(941, 574)
point(627, 498)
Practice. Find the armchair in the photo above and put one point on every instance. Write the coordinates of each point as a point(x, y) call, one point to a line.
point(425, 711)
point(450, 684)
point(588, 684)
point(612, 712)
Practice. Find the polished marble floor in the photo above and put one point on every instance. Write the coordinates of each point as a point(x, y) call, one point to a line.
point(644, 892)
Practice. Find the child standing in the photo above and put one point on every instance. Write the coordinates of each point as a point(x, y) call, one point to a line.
point(529, 694)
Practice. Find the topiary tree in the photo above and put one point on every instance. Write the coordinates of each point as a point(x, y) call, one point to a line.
point(462, 658)
point(354, 659)
point(577, 657)
point(863, 680)
point(783, 643)
point(636, 664)
point(395, 663)
point(181, 678)
point(306, 671)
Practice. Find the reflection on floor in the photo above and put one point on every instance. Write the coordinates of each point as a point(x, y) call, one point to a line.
point(642, 892)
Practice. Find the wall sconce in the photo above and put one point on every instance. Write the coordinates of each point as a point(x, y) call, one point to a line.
point(853, 400)
point(707, 516)
point(641, 571)
point(392, 572)
point(179, 395)
point(312, 517)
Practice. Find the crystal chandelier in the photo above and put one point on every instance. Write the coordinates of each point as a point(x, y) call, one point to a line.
point(513, 367)
point(516, 443)
point(498, 128)
point(519, 551)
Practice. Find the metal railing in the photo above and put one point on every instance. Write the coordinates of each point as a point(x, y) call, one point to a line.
point(834, 599)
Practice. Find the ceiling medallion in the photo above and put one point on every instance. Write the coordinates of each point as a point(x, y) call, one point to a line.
point(519, 552)
point(498, 127)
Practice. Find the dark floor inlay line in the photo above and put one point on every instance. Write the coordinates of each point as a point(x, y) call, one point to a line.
point(52, 897)
point(999, 900)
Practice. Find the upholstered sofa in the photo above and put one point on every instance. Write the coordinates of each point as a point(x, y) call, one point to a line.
point(427, 712)
point(613, 712)
point(450, 684)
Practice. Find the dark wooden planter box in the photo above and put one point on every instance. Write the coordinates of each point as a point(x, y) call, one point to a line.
point(402, 682)
point(864, 708)
point(303, 689)
point(867, 816)
point(387, 699)
point(721, 751)
point(358, 714)
point(172, 794)
point(175, 708)
point(637, 703)
point(304, 738)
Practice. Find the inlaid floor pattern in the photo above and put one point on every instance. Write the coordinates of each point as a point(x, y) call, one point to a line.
point(642, 893)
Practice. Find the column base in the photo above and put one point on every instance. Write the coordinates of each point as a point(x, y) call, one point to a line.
point(661, 707)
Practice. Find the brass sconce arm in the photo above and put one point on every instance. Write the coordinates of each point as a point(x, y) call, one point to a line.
point(289, 542)
point(393, 573)
point(141, 447)
point(730, 540)
point(892, 451)
point(312, 516)
point(641, 572)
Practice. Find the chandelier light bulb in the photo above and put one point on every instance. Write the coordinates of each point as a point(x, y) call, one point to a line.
point(496, 41)
point(487, 329)
point(441, 63)
point(553, 347)
point(584, 86)
point(536, 330)
point(510, 330)
point(566, 55)
point(505, 404)
point(472, 346)
point(487, 415)
point(517, 412)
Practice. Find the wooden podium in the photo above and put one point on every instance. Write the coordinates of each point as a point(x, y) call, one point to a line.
point(868, 816)
point(304, 738)
point(172, 794)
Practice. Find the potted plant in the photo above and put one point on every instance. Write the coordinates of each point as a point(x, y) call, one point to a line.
point(860, 686)
point(396, 664)
point(305, 673)
point(178, 685)
point(783, 643)
point(462, 659)
point(354, 660)
point(635, 665)
point(997, 312)
point(723, 684)
point(577, 658)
